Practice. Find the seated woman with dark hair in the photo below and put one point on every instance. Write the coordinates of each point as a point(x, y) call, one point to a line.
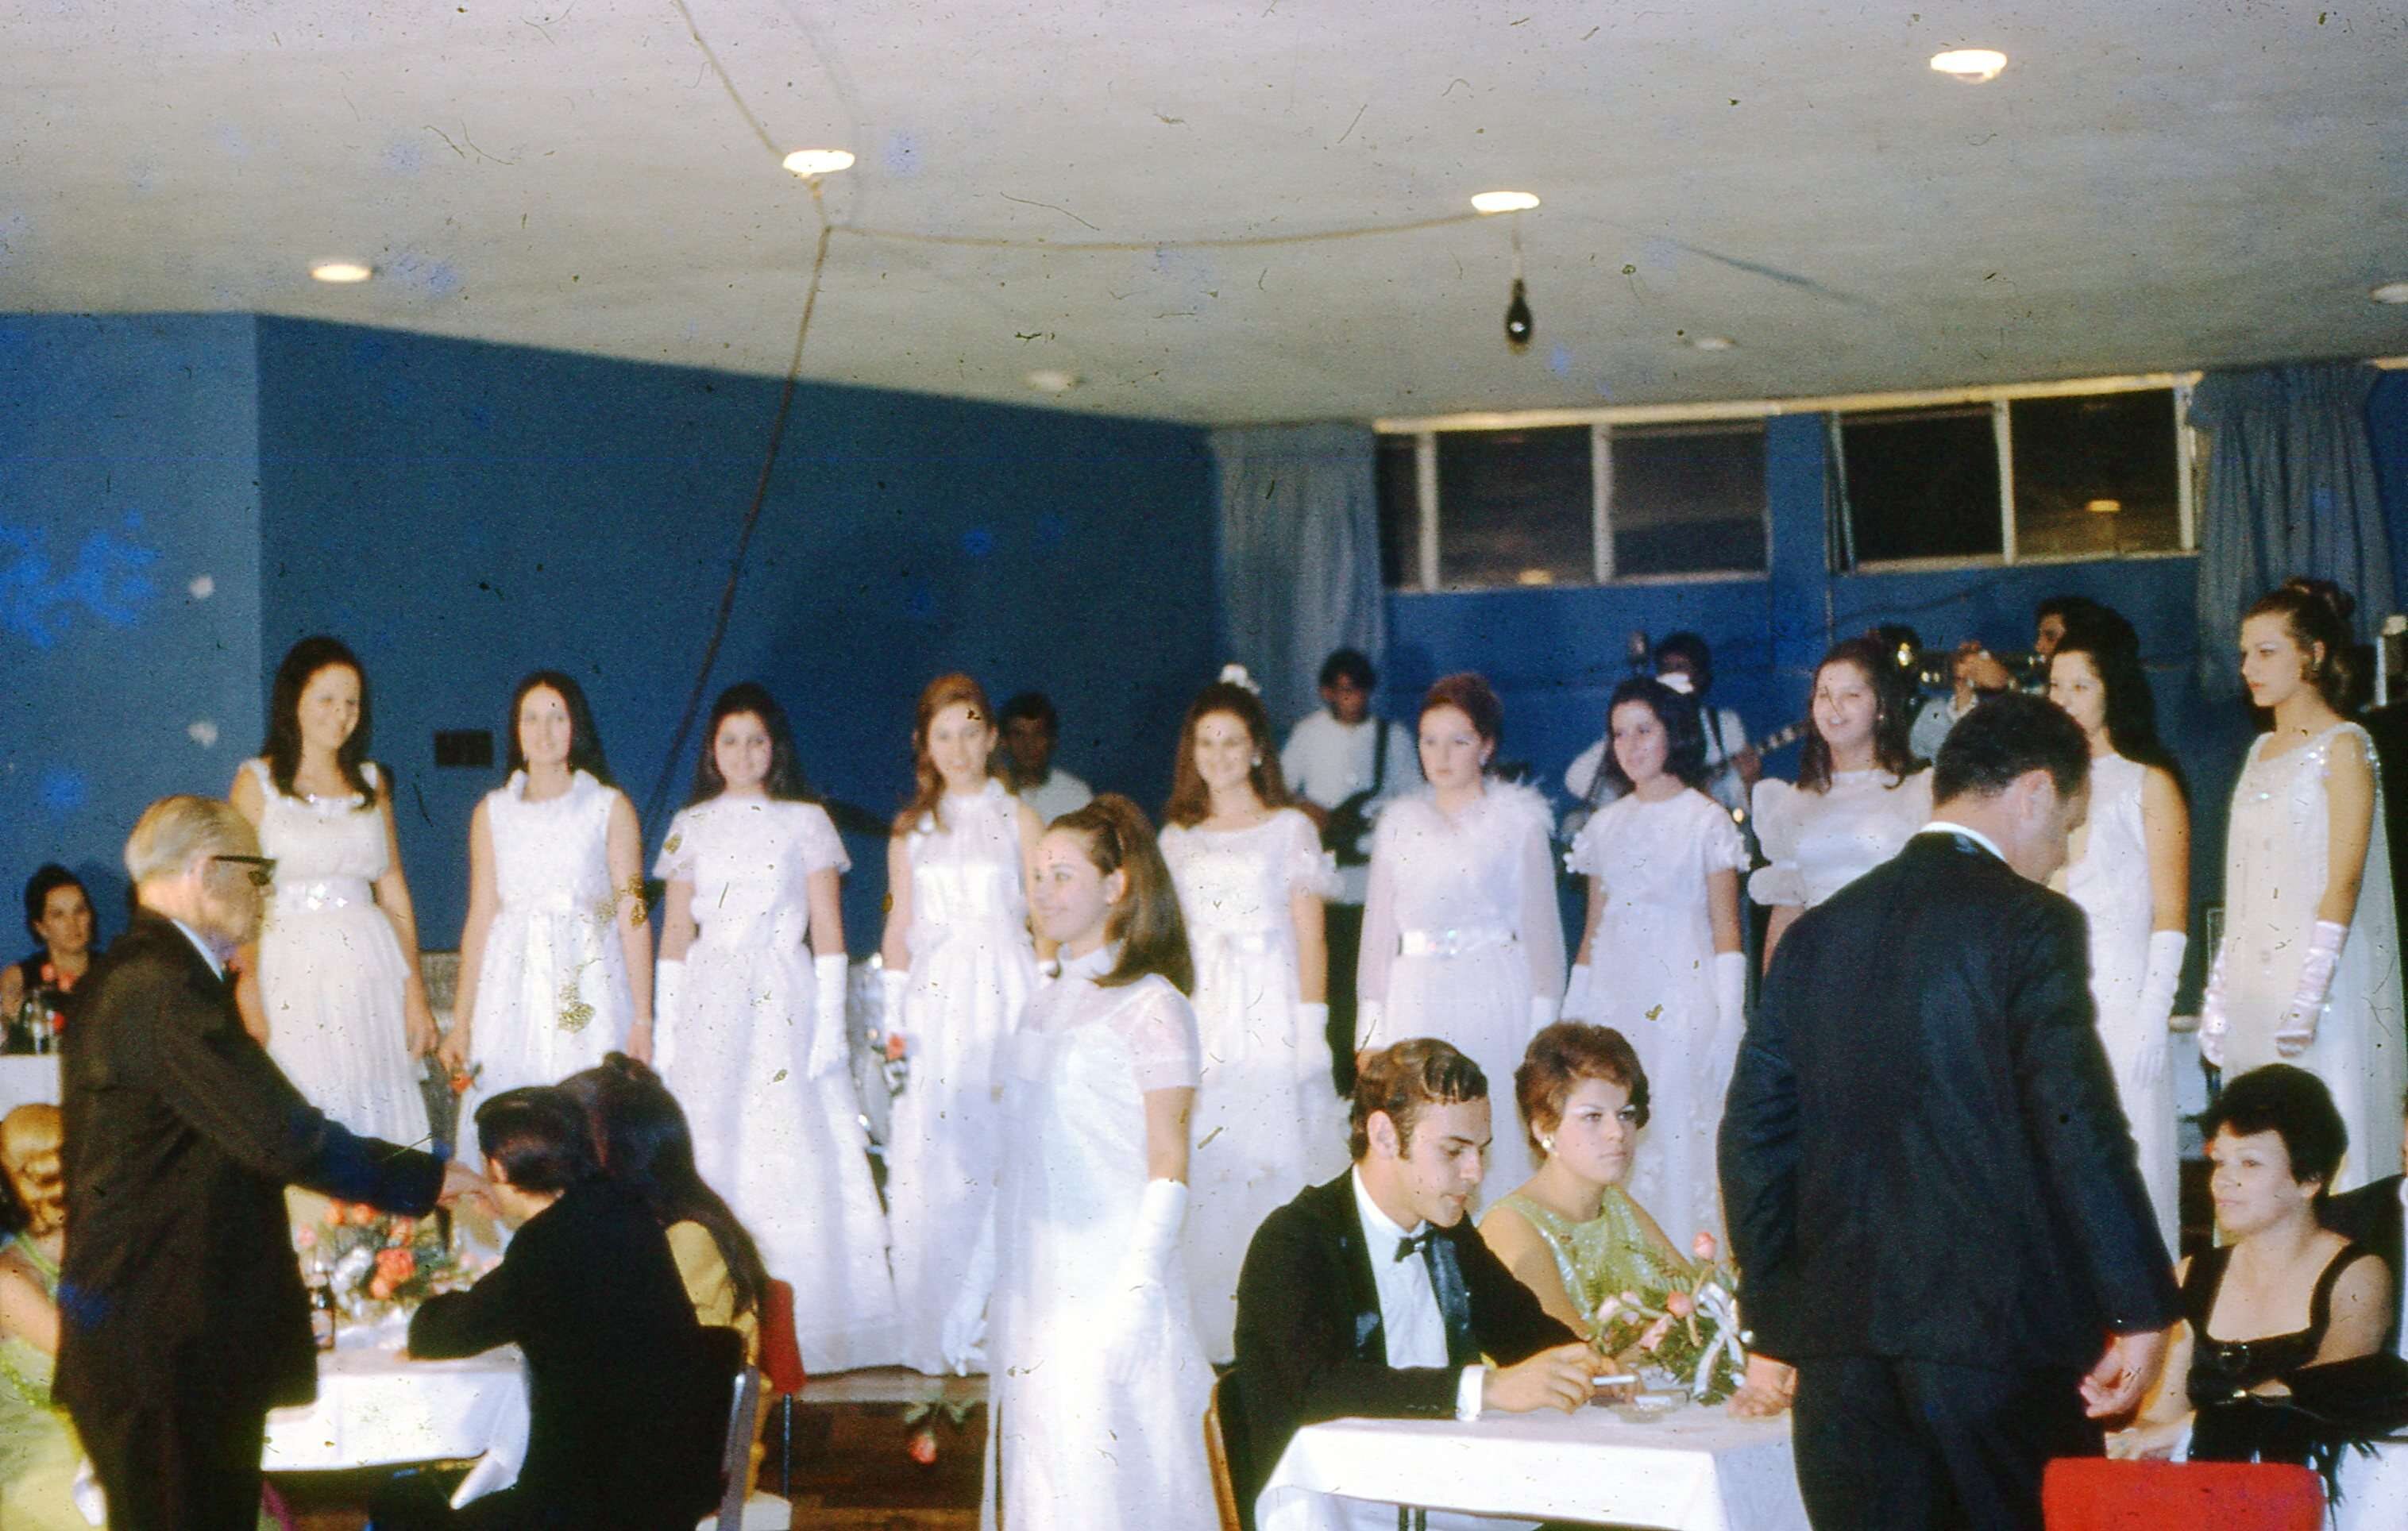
point(640, 1133)
point(58, 915)
point(2278, 1357)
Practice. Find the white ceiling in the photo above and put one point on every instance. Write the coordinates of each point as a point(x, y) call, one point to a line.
point(2148, 185)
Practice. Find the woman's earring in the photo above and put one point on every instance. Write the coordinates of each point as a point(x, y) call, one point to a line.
point(1258, 763)
point(1547, 1144)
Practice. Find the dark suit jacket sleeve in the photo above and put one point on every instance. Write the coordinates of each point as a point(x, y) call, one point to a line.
point(1294, 1344)
point(493, 1312)
point(1506, 1318)
point(1758, 1149)
point(208, 1070)
point(2077, 1127)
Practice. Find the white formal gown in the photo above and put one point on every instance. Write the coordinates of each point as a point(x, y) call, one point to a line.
point(972, 968)
point(552, 995)
point(1097, 1389)
point(330, 971)
point(1459, 931)
point(2275, 860)
point(2111, 882)
point(1267, 1121)
point(785, 1149)
point(1652, 978)
point(1818, 842)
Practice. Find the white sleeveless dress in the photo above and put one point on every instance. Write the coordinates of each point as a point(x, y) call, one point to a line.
point(785, 1149)
point(2275, 860)
point(552, 995)
point(1092, 1425)
point(330, 971)
point(1266, 1122)
point(2111, 882)
point(1652, 979)
point(1459, 931)
point(972, 968)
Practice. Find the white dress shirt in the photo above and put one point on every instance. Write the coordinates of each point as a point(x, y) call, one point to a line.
point(1059, 794)
point(208, 953)
point(1326, 762)
point(1410, 1319)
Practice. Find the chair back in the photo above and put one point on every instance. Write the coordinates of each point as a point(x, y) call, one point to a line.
point(2091, 1494)
point(1224, 1423)
point(735, 1460)
point(781, 1357)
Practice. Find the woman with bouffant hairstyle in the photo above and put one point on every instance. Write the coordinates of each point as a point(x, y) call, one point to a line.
point(40, 1452)
point(2308, 972)
point(1095, 1357)
point(958, 968)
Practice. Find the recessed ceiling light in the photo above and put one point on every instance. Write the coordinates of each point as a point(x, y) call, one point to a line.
point(1053, 381)
point(810, 162)
point(342, 272)
point(2390, 292)
point(1971, 64)
point(1713, 342)
point(1497, 202)
point(2104, 508)
point(1535, 577)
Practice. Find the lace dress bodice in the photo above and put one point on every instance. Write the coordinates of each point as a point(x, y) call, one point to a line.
point(1818, 842)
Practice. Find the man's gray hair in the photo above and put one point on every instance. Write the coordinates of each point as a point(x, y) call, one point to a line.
point(174, 830)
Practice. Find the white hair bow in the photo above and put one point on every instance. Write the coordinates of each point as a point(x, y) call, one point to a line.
point(1235, 674)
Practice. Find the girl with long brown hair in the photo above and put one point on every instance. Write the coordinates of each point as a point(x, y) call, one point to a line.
point(1250, 875)
point(959, 965)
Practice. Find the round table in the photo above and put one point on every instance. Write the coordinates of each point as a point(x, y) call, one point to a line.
point(377, 1407)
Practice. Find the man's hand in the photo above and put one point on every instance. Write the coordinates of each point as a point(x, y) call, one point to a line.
point(1555, 1378)
point(1769, 1388)
point(460, 1180)
point(2123, 1375)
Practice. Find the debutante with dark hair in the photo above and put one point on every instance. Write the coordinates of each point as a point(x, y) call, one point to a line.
point(2309, 969)
point(334, 992)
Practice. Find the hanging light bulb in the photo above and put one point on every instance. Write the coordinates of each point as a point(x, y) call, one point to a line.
point(1518, 323)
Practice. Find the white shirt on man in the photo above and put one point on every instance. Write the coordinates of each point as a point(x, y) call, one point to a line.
point(1059, 794)
point(1326, 762)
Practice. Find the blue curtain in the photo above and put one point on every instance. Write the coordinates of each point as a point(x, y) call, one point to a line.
point(1299, 555)
point(2290, 490)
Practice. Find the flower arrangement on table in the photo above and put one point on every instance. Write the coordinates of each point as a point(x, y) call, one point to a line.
point(1690, 1329)
point(375, 1263)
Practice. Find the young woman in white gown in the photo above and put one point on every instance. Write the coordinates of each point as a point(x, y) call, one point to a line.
point(1250, 875)
point(1461, 938)
point(335, 993)
point(2131, 873)
point(2309, 969)
point(959, 965)
point(749, 1028)
point(1860, 794)
point(1097, 1380)
point(556, 958)
point(1662, 943)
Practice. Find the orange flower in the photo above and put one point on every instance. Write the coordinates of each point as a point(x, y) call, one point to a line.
point(333, 1214)
point(894, 1054)
point(381, 1289)
point(395, 1267)
point(924, 1447)
point(361, 1214)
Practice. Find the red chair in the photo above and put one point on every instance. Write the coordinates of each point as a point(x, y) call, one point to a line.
point(2091, 1494)
point(782, 1369)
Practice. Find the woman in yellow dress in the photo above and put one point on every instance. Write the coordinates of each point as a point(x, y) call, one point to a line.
point(39, 1450)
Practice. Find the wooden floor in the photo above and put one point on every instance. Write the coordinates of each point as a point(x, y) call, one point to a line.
point(851, 1458)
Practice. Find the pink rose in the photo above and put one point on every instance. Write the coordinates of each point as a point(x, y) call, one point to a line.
point(1656, 1332)
point(894, 1049)
point(1702, 1246)
point(381, 1289)
point(924, 1447)
point(395, 1266)
point(1680, 1305)
point(333, 1214)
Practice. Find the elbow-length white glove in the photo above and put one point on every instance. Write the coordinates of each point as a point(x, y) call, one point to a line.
point(1139, 1303)
point(668, 1010)
point(831, 1040)
point(963, 1338)
point(2295, 1032)
point(2162, 977)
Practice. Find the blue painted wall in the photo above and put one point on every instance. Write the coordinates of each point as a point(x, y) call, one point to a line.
point(129, 581)
point(462, 513)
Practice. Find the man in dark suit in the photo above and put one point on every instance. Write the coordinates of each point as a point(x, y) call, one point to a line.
point(1932, 1192)
point(1373, 1296)
point(182, 1318)
point(629, 1395)
point(2371, 1215)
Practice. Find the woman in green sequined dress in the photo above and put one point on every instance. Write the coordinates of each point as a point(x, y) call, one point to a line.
point(38, 1451)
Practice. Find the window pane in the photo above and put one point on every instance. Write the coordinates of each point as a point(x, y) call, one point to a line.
point(2096, 475)
point(1922, 484)
point(1688, 499)
point(1516, 506)
point(1400, 513)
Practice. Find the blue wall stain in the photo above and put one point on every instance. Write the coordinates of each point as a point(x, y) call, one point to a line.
point(106, 581)
point(1560, 359)
point(64, 791)
point(1050, 529)
point(900, 153)
point(405, 156)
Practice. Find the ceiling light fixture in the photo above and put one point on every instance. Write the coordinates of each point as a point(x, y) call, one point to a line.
point(1713, 342)
point(2390, 292)
point(342, 273)
point(1973, 65)
point(811, 164)
point(1503, 202)
point(1053, 381)
point(2104, 508)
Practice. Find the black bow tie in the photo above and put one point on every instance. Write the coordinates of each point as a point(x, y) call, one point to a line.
point(1412, 1244)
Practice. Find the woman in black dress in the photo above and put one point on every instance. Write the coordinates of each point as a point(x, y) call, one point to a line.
point(58, 915)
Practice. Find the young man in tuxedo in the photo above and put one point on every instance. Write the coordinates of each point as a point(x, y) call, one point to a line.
point(1932, 1190)
point(1373, 1295)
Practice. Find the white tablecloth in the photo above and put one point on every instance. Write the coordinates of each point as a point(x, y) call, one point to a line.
point(375, 1406)
point(25, 1077)
point(1696, 1470)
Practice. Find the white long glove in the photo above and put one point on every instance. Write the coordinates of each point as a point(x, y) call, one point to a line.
point(1313, 1034)
point(1580, 1002)
point(2212, 1022)
point(668, 1010)
point(831, 1044)
point(1542, 1012)
point(2162, 977)
point(1144, 1267)
point(892, 983)
point(1730, 1002)
point(963, 1337)
point(2296, 1031)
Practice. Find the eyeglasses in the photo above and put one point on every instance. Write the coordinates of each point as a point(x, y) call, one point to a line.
point(260, 869)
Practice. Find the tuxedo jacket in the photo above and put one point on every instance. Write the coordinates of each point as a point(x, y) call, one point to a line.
point(1311, 1338)
point(181, 1135)
point(2370, 1215)
point(627, 1394)
point(1923, 1156)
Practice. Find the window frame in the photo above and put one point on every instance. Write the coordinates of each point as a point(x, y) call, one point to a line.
point(2189, 459)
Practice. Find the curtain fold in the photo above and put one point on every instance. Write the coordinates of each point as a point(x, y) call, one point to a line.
point(1299, 555)
point(2291, 489)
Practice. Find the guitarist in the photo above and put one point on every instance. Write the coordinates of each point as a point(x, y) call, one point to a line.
point(1342, 763)
point(1732, 765)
